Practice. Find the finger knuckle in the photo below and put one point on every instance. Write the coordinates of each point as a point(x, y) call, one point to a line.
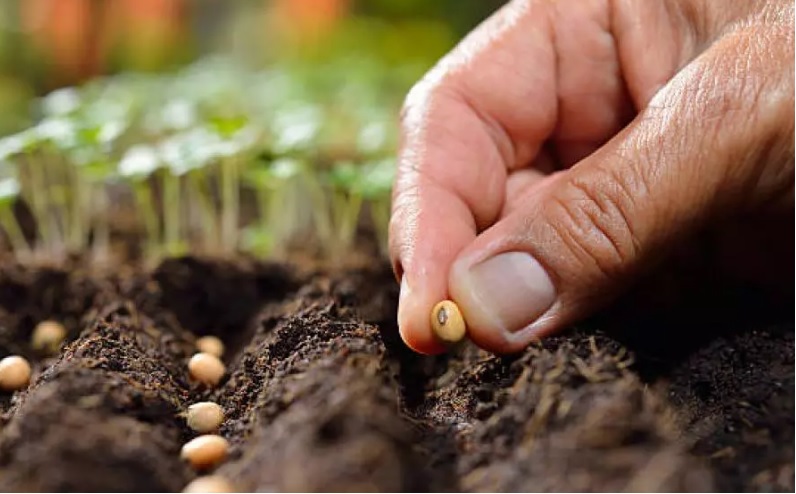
point(593, 222)
point(423, 95)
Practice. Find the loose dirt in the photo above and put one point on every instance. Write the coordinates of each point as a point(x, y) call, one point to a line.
point(321, 395)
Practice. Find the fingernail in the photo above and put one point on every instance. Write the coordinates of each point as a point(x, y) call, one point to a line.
point(508, 291)
point(410, 329)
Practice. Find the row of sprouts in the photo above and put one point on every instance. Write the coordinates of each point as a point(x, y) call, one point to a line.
point(214, 159)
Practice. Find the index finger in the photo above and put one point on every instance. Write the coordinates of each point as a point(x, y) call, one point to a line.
point(460, 138)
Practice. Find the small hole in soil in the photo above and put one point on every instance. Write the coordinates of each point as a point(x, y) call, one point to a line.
point(703, 390)
point(221, 298)
point(485, 394)
point(330, 431)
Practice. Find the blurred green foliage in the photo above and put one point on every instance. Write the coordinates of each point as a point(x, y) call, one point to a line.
point(314, 143)
point(46, 44)
point(301, 110)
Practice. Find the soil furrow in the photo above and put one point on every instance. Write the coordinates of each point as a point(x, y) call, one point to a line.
point(107, 406)
point(321, 394)
point(314, 390)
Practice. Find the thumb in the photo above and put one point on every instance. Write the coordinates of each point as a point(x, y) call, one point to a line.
point(581, 235)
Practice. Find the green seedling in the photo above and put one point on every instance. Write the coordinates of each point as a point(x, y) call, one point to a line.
point(61, 102)
point(176, 115)
point(188, 155)
point(308, 139)
point(89, 169)
point(277, 188)
point(259, 238)
point(63, 163)
point(176, 154)
point(137, 166)
point(9, 192)
point(21, 152)
point(236, 138)
point(344, 188)
point(350, 186)
point(56, 137)
point(296, 129)
point(376, 186)
point(172, 218)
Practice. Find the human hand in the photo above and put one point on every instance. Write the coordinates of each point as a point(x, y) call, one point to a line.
point(564, 149)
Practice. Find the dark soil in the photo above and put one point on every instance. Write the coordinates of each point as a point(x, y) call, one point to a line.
point(321, 395)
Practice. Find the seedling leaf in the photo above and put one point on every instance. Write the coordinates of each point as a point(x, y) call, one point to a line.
point(139, 162)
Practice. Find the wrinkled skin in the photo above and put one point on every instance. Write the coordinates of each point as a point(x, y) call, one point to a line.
point(594, 141)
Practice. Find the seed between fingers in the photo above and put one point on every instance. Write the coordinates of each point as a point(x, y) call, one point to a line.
point(447, 322)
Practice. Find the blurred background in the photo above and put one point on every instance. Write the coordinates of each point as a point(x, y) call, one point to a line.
point(48, 44)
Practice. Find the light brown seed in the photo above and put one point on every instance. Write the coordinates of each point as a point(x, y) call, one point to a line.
point(206, 368)
point(211, 345)
point(204, 417)
point(447, 322)
point(47, 336)
point(209, 483)
point(205, 451)
point(14, 373)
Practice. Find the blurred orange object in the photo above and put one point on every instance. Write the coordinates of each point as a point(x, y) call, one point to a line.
point(78, 37)
point(310, 20)
point(144, 34)
point(65, 32)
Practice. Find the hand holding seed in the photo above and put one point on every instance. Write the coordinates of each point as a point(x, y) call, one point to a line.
point(560, 152)
point(447, 322)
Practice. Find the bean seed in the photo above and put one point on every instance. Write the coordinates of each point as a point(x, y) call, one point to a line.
point(447, 322)
point(47, 336)
point(206, 368)
point(204, 417)
point(209, 483)
point(14, 373)
point(210, 344)
point(205, 451)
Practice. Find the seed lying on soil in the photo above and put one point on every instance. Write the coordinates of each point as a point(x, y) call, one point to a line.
point(204, 417)
point(47, 336)
point(205, 451)
point(209, 483)
point(447, 322)
point(210, 344)
point(14, 373)
point(206, 368)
